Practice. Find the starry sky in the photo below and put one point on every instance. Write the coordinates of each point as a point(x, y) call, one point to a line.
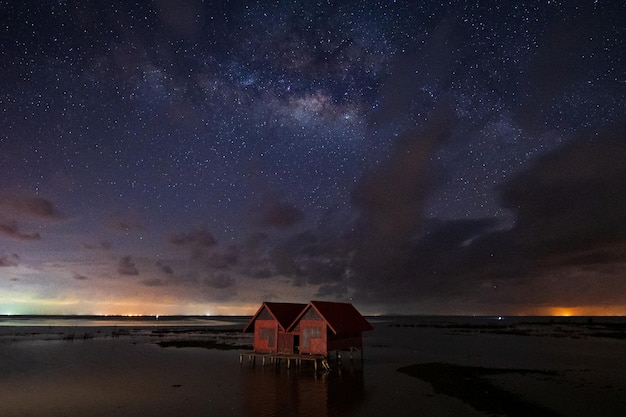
point(198, 157)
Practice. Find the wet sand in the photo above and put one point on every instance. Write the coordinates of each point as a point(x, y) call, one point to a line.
point(411, 367)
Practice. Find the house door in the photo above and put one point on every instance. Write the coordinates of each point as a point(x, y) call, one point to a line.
point(296, 344)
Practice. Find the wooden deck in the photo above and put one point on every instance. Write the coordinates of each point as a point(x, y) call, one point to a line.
point(276, 359)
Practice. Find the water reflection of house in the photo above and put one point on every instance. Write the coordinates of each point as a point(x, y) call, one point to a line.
point(288, 394)
point(270, 324)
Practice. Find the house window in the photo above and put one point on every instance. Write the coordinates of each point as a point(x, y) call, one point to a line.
point(310, 333)
point(268, 334)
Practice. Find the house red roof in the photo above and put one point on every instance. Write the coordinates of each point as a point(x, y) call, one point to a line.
point(283, 313)
point(340, 317)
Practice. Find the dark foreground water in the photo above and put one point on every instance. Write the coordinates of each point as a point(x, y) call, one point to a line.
point(413, 366)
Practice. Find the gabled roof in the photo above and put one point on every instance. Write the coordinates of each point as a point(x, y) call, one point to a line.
point(340, 317)
point(283, 313)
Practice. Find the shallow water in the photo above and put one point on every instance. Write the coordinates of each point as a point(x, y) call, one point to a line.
point(44, 372)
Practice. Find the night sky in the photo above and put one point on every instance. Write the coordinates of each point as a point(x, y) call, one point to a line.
point(196, 157)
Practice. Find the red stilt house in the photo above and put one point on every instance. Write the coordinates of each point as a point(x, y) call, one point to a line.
point(323, 326)
point(270, 324)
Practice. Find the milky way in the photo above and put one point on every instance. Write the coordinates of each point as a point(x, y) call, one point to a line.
point(189, 157)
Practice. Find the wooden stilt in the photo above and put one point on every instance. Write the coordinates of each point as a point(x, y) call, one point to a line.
point(275, 359)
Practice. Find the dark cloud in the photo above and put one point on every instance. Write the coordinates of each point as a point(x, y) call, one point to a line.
point(570, 212)
point(79, 277)
point(13, 209)
point(309, 257)
point(124, 221)
point(200, 237)
point(572, 199)
point(9, 260)
point(101, 245)
point(127, 225)
point(220, 281)
point(569, 223)
point(214, 258)
point(155, 282)
point(255, 256)
point(36, 207)
point(252, 251)
point(569, 232)
point(447, 258)
point(165, 268)
point(11, 229)
point(40, 207)
point(126, 266)
point(279, 215)
point(260, 272)
point(390, 198)
point(222, 259)
point(335, 291)
point(285, 256)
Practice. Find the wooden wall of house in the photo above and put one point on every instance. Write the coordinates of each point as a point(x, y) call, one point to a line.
point(265, 335)
point(317, 338)
point(313, 337)
point(285, 342)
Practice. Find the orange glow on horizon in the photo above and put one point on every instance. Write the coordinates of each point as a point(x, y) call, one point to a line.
point(564, 311)
point(126, 308)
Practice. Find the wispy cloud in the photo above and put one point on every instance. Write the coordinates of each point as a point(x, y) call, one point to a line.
point(16, 210)
point(165, 268)
point(100, 245)
point(12, 230)
point(200, 237)
point(37, 207)
point(126, 266)
point(279, 215)
point(220, 281)
point(9, 260)
point(155, 282)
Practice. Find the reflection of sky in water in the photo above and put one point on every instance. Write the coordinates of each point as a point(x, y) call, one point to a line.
point(126, 377)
